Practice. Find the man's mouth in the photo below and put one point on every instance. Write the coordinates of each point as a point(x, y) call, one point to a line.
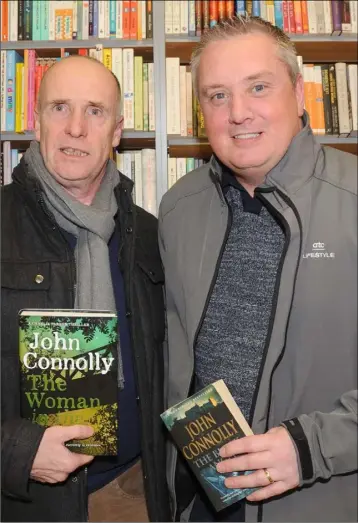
point(69, 151)
point(246, 136)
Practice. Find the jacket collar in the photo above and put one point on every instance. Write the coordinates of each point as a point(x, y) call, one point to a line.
point(294, 169)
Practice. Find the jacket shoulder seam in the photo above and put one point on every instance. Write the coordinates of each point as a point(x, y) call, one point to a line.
point(338, 186)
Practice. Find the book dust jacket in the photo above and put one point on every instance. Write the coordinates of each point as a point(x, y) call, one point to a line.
point(200, 426)
point(68, 364)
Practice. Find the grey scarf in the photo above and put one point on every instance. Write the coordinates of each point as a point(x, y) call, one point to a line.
point(93, 226)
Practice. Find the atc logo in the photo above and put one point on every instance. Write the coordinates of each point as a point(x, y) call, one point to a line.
point(319, 251)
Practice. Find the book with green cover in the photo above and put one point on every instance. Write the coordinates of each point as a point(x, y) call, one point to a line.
point(68, 364)
point(200, 426)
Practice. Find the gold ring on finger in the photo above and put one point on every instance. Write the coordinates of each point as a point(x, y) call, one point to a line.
point(268, 475)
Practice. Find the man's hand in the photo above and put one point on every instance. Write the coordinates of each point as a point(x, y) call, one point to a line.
point(53, 461)
point(273, 451)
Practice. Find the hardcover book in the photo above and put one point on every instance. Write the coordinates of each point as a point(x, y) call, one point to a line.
point(68, 364)
point(200, 426)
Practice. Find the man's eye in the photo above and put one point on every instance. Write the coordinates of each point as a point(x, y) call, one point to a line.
point(258, 88)
point(95, 111)
point(218, 96)
point(59, 108)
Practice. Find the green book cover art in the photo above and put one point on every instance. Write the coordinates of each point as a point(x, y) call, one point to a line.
point(200, 426)
point(68, 363)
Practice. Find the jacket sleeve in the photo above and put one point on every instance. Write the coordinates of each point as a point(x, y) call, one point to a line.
point(19, 444)
point(330, 439)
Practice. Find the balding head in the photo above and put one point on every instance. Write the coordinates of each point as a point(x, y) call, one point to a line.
point(78, 61)
point(77, 122)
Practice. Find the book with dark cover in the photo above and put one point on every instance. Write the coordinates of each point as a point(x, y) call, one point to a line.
point(68, 364)
point(334, 103)
point(327, 107)
point(200, 426)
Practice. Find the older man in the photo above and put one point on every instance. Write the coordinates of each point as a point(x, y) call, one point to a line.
point(69, 217)
point(259, 251)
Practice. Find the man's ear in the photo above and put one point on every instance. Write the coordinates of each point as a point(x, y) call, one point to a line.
point(300, 94)
point(118, 132)
point(37, 124)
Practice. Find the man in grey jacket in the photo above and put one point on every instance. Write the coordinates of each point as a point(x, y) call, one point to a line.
point(259, 251)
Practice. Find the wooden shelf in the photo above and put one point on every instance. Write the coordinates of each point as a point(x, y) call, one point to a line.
point(200, 148)
point(328, 50)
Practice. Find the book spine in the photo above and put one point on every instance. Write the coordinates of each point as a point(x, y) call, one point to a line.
point(320, 17)
point(198, 17)
point(10, 93)
point(95, 19)
point(126, 19)
point(346, 17)
point(138, 176)
point(133, 21)
point(139, 19)
point(149, 19)
point(44, 21)
point(181, 167)
point(321, 128)
point(28, 20)
point(183, 100)
point(36, 20)
point(291, 17)
point(176, 18)
point(189, 103)
point(5, 21)
point(191, 17)
point(3, 89)
point(151, 102)
point(13, 19)
point(256, 8)
point(145, 98)
point(144, 19)
point(85, 20)
point(31, 90)
point(128, 88)
point(309, 93)
point(342, 99)
point(119, 21)
point(138, 93)
point(336, 17)
point(112, 18)
point(213, 13)
point(263, 9)
point(101, 7)
point(248, 7)
point(278, 13)
point(230, 8)
point(184, 18)
point(18, 96)
point(304, 10)
point(173, 95)
point(312, 18)
point(352, 89)
point(298, 17)
point(20, 20)
point(168, 17)
point(326, 99)
point(149, 181)
point(286, 26)
point(106, 19)
point(206, 15)
point(354, 16)
point(75, 9)
point(38, 78)
point(327, 14)
point(51, 21)
point(90, 18)
point(107, 58)
point(117, 66)
point(172, 171)
point(270, 11)
point(333, 95)
point(240, 7)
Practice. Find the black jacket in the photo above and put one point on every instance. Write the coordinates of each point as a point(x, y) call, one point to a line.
point(32, 244)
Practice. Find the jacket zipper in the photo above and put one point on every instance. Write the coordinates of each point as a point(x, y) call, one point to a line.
point(273, 312)
point(217, 266)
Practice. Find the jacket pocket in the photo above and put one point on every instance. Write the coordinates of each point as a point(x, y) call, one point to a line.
point(24, 286)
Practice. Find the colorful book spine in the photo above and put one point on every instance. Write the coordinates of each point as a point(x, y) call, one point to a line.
point(333, 95)
point(304, 11)
point(20, 20)
point(112, 18)
point(326, 99)
point(291, 17)
point(278, 13)
point(138, 93)
point(206, 15)
point(28, 19)
point(336, 16)
point(145, 98)
point(213, 13)
point(36, 20)
point(31, 90)
point(13, 20)
point(149, 19)
point(12, 58)
point(198, 17)
point(256, 8)
point(44, 20)
point(95, 17)
point(18, 97)
point(4, 20)
point(240, 7)
point(133, 20)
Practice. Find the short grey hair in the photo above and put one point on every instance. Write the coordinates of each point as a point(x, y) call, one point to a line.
point(243, 25)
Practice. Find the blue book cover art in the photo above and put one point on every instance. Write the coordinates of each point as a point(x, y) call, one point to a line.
point(240, 7)
point(12, 58)
point(200, 426)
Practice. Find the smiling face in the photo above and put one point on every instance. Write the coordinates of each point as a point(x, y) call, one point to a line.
point(251, 108)
point(77, 122)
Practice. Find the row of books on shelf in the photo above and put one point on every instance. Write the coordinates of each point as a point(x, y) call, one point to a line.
point(21, 78)
point(330, 99)
point(75, 19)
point(330, 17)
point(178, 167)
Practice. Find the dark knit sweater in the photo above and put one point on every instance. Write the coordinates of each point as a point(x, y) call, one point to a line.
point(232, 338)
